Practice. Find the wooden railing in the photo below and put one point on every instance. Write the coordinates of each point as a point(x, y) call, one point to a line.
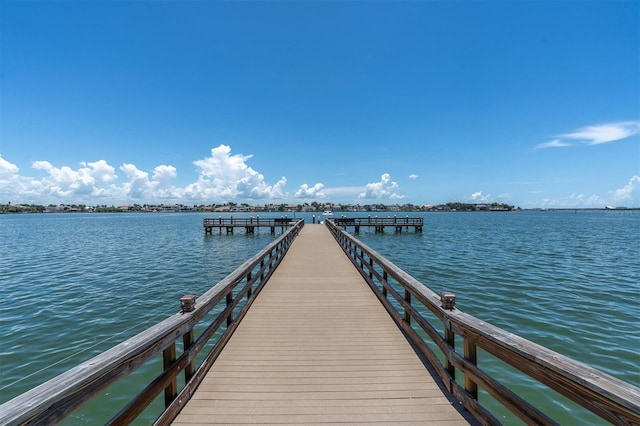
point(54, 400)
point(249, 223)
point(386, 221)
point(407, 301)
point(380, 223)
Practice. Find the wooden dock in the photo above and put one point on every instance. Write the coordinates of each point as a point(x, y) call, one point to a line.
point(318, 347)
point(380, 223)
point(315, 328)
point(248, 223)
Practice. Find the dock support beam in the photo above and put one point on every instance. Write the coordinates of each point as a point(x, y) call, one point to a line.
point(470, 355)
point(168, 358)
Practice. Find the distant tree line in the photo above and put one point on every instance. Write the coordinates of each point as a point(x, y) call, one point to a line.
point(468, 207)
point(243, 207)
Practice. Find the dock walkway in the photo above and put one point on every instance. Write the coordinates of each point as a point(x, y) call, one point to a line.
point(318, 347)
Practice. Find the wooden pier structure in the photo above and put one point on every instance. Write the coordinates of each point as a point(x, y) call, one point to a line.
point(318, 347)
point(380, 223)
point(319, 328)
point(249, 224)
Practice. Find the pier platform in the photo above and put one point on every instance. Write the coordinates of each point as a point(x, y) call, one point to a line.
point(379, 224)
point(249, 224)
point(317, 347)
point(318, 328)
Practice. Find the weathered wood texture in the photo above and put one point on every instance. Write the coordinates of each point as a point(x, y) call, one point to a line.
point(318, 347)
point(612, 399)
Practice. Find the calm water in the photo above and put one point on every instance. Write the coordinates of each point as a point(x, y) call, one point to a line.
point(73, 285)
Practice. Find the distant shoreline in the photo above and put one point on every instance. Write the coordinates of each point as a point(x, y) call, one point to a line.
point(23, 209)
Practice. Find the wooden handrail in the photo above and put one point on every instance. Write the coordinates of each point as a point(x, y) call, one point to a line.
point(387, 221)
point(55, 399)
point(249, 221)
point(404, 297)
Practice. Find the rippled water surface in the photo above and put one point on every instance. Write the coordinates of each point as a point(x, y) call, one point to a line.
point(73, 285)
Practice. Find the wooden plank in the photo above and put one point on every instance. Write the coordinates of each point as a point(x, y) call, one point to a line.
point(318, 347)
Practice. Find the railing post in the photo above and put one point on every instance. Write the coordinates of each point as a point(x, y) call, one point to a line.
point(385, 277)
point(168, 358)
point(448, 301)
point(407, 298)
point(249, 290)
point(229, 302)
point(187, 304)
point(450, 338)
point(190, 369)
point(470, 355)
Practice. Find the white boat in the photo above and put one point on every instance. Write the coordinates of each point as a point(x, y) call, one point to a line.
point(327, 213)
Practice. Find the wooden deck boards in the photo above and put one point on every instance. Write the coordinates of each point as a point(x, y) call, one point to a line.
point(318, 347)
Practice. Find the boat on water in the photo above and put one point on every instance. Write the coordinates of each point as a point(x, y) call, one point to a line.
point(327, 213)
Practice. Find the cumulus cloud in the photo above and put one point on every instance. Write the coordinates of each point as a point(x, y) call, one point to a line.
point(91, 179)
point(224, 177)
point(384, 189)
point(140, 187)
point(7, 169)
point(479, 197)
point(595, 135)
point(164, 174)
point(629, 192)
point(314, 191)
point(413, 176)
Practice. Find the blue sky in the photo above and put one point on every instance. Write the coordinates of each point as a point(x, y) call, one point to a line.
point(535, 104)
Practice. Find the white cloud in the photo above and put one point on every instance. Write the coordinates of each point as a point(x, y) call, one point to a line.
point(221, 177)
point(582, 200)
point(479, 197)
point(628, 195)
point(630, 192)
point(164, 174)
point(12, 185)
point(314, 192)
point(342, 191)
point(225, 177)
point(556, 143)
point(603, 133)
point(595, 135)
point(381, 190)
point(89, 180)
point(413, 176)
point(140, 188)
point(7, 169)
